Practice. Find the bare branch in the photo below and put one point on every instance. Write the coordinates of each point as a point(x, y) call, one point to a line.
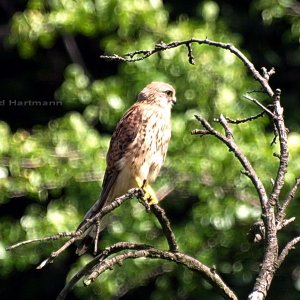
point(244, 120)
point(163, 46)
point(284, 223)
point(200, 132)
point(260, 105)
point(267, 74)
point(268, 267)
point(45, 239)
point(79, 234)
point(209, 274)
point(101, 263)
point(282, 211)
point(290, 245)
point(228, 132)
point(190, 54)
point(284, 155)
point(267, 270)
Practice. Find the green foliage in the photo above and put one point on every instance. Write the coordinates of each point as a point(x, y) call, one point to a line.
point(288, 10)
point(59, 166)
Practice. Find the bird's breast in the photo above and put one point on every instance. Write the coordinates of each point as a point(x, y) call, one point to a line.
point(152, 144)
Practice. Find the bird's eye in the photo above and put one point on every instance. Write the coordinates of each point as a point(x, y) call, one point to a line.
point(169, 93)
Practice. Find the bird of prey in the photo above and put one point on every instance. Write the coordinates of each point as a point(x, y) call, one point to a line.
point(136, 152)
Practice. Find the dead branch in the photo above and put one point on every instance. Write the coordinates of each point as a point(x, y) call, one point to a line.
point(259, 105)
point(208, 273)
point(282, 210)
point(57, 236)
point(245, 120)
point(289, 246)
point(143, 54)
point(284, 155)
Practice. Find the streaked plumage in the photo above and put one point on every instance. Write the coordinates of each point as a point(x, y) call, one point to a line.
point(137, 148)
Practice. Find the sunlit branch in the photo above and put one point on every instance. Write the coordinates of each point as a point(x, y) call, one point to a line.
point(143, 54)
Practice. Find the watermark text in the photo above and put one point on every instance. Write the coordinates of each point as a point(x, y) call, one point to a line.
point(29, 103)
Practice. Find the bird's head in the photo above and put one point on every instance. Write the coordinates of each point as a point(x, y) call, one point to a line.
point(158, 93)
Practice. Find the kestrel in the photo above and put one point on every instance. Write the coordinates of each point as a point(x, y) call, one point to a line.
point(137, 150)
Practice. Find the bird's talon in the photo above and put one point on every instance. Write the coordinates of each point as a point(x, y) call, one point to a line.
point(152, 200)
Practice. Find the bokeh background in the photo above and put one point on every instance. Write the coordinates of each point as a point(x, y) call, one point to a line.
point(59, 104)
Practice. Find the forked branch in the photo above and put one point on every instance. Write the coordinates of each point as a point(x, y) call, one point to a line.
point(123, 250)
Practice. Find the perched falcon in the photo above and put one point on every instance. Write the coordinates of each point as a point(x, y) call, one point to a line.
point(137, 150)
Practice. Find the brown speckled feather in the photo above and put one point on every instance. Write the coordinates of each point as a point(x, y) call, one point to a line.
point(123, 136)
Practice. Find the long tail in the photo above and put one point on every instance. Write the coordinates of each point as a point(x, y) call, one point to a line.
point(104, 199)
point(91, 234)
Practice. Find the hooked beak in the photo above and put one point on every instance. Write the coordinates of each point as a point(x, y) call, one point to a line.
point(174, 101)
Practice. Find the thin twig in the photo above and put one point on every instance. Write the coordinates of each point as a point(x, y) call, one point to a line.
point(228, 131)
point(267, 74)
point(289, 246)
point(244, 120)
point(282, 210)
point(97, 236)
point(190, 54)
point(45, 239)
point(200, 132)
point(284, 223)
point(260, 105)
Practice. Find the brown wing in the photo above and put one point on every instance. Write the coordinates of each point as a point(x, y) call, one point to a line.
point(124, 134)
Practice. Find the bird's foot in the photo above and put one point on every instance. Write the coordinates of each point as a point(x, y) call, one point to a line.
point(149, 194)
